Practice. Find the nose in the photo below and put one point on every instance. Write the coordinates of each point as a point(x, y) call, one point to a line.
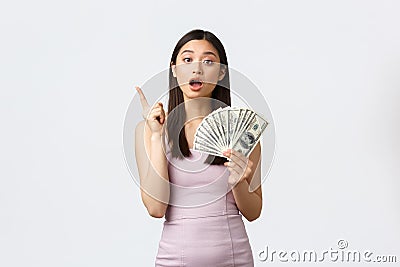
point(197, 68)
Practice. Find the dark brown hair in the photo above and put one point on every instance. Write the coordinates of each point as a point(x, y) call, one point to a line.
point(177, 118)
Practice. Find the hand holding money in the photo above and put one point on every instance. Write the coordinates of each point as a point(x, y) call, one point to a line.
point(239, 166)
point(234, 128)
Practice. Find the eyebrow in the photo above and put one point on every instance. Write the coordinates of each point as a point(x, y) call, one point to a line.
point(205, 53)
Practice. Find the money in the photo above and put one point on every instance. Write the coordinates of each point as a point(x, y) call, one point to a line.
point(229, 127)
point(249, 138)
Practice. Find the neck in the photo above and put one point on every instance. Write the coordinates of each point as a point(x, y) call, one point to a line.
point(197, 108)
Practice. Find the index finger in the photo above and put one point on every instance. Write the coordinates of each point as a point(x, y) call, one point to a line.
point(143, 99)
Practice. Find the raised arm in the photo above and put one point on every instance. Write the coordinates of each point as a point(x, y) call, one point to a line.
point(151, 160)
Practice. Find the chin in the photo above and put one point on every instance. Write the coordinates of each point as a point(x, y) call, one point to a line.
point(189, 93)
point(193, 96)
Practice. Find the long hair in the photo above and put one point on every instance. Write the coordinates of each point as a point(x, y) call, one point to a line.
point(176, 119)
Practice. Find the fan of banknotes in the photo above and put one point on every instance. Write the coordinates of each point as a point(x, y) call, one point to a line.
point(229, 127)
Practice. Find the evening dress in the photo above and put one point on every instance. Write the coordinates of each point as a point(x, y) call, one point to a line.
point(203, 226)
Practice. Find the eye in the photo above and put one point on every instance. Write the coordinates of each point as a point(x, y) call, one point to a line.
point(184, 60)
point(208, 62)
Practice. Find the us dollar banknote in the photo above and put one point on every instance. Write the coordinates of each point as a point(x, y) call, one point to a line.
point(229, 127)
point(250, 136)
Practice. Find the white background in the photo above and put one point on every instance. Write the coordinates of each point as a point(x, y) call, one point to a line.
point(329, 70)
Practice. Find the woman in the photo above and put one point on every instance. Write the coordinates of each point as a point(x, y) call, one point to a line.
point(210, 230)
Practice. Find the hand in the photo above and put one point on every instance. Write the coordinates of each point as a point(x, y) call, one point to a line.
point(240, 167)
point(155, 116)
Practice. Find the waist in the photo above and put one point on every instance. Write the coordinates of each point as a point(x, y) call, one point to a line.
point(174, 213)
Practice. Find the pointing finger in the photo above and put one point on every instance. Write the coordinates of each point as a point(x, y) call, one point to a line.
point(143, 99)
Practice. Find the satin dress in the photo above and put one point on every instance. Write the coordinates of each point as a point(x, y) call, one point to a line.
point(203, 226)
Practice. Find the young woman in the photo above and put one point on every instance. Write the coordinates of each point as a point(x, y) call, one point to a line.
point(208, 231)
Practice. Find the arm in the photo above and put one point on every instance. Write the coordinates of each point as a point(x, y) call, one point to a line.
point(247, 192)
point(153, 170)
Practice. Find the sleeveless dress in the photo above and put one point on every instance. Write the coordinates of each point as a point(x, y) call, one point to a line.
point(203, 226)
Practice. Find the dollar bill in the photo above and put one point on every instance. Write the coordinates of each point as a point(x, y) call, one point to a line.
point(203, 147)
point(202, 133)
point(209, 127)
point(233, 123)
point(246, 121)
point(219, 127)
point(249, 138)
point(211, 121)
point(229, 127)
point(223, 116)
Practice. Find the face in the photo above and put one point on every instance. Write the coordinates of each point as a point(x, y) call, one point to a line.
point(198, 69)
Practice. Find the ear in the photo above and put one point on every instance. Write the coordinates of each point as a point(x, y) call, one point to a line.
point(222, 72)
point(173, 69)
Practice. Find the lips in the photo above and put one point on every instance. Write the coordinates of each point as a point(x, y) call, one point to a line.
point(195, 84)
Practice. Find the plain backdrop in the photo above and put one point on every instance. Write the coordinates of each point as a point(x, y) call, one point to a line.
point(329, 70)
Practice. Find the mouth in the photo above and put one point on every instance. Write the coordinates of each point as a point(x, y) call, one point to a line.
point(195, 84)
